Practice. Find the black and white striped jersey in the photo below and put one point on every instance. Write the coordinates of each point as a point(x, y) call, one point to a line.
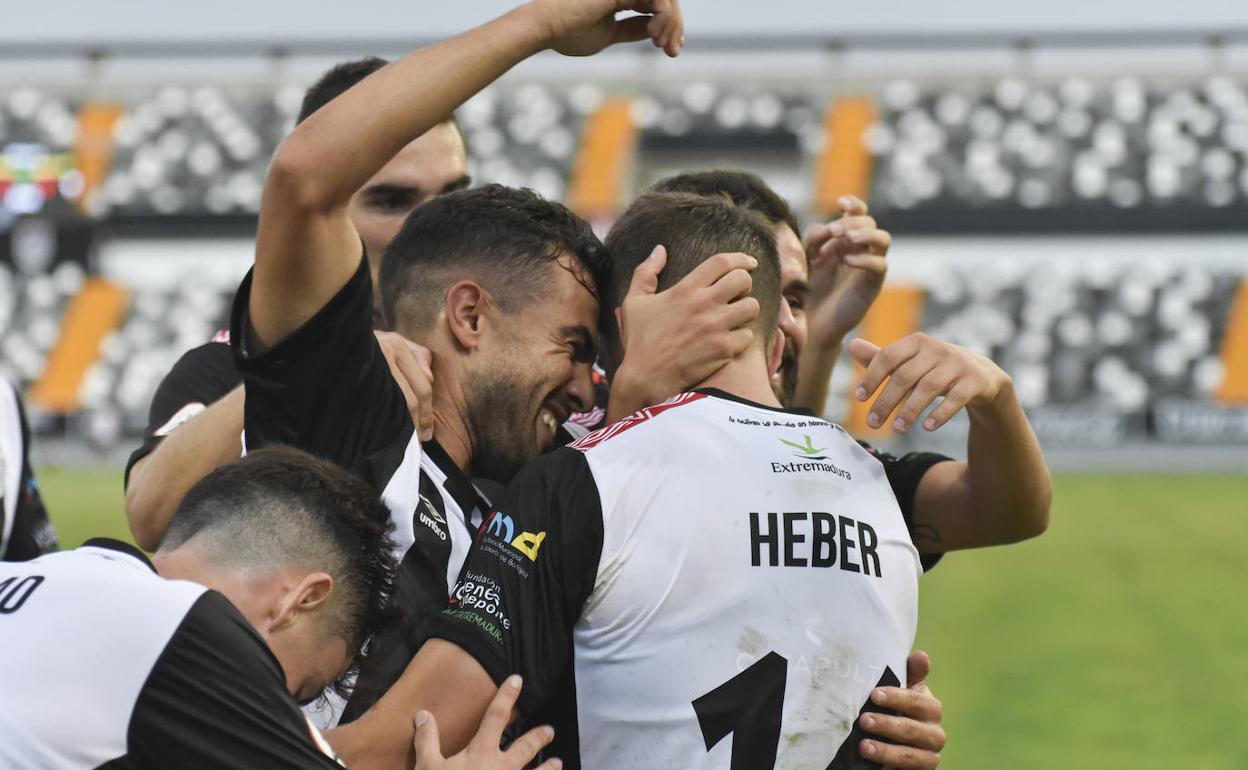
point(327, 389)
point(709, 584)
point(105, 664)
point(25, 531)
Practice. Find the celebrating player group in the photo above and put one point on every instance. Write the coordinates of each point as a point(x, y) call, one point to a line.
point(513, 495)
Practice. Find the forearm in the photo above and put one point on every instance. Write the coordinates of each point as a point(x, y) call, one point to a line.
point(306, 246)
point(443, 679)
point(1009, 489)
point(814, 374)
point(365, 127)
point(159, 481)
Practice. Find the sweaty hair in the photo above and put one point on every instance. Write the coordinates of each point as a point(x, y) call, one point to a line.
point(694, 228)
point(279, 508)
point(339, 79)
point(503, 238)
point(742, 187)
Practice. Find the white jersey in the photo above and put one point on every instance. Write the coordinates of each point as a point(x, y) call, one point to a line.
point(103, 663)
point(708, 584)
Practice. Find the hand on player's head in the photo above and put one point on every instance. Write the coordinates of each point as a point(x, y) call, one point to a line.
point(411, 365)
point(483, 752)
point(683, 335)
point(585, 27)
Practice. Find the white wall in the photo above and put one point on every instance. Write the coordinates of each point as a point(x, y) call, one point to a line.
point(96, 21)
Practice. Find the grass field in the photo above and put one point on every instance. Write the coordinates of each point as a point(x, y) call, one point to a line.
point(1117, 640)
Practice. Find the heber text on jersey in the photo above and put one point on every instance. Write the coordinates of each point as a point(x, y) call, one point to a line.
point(780, 540)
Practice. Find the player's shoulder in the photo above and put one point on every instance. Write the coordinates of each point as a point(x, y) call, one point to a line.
point(649, 420)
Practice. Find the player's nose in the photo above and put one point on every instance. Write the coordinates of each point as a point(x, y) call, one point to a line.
point(580, 388)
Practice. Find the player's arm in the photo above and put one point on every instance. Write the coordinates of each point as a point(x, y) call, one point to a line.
point(483, 752)
point(678, 337)
point(1002, 492)
point(847, 263)
point(307, 248)
point(158, 482)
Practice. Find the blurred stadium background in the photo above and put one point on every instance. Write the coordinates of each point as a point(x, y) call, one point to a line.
point(1067, 185)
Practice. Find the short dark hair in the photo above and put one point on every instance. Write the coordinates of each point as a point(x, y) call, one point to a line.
point(336, 81)
point(279, 506)
point(499, 236)
point(339, 79)
point(694, 228)
point(742, 187)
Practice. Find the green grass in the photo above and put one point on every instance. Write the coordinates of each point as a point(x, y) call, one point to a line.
point(1119, 639)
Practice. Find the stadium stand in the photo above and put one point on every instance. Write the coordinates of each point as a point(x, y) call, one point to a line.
point(1081, 337)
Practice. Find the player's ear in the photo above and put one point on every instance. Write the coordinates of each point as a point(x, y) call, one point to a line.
point(467, 304)
point(777, 353)
point(308, 595)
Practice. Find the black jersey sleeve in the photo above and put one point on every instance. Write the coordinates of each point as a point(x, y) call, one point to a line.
point(904, 474)
point(528, 576)
point(326, 388)
point(216, 698)
point(200, 378)
point(32, 534)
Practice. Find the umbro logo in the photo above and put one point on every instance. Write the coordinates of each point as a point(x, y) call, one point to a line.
point(433, 511)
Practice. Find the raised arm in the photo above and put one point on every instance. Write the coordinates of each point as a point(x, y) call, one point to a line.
point(307, 248)
point(847, 263)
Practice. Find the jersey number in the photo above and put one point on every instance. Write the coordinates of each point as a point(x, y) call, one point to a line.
point(14, 592)
point(750, 706)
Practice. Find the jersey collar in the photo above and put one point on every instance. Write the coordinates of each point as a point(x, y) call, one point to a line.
point(465, 493)
point(717, 393)
point(109, 544)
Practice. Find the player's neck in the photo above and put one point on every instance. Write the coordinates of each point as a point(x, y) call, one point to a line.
point(745, 377)
point(450, 421)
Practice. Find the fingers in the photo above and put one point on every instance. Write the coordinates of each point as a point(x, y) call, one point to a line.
point(740, 313)
point(864, 353)
point(958, 396)
point(732, 286)
point(918, 666)
point(899, 757)
point(426, 743)
point(933, 384)
point(872, 263)
point(498, 713)
point(851, 205)
point(717, 267)
point(410, 365)
point(646, 276)
point(737, 341)
point(917, 704)
point(523, 749)
point(903, 730)
point(884, 363)
point(631, 30)
point(901, 382)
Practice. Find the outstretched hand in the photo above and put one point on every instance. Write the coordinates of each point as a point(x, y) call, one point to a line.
point(585, 27)
point(483, 752)
point(919, 369)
